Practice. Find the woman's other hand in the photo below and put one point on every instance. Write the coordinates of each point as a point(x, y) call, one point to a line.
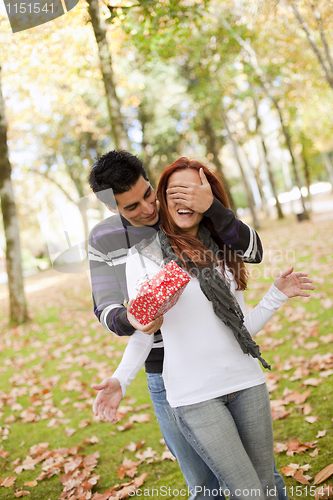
point(292, 284)
point(108, 399)
point(149, 329)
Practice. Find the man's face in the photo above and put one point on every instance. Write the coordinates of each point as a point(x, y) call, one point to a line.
point(138, 205)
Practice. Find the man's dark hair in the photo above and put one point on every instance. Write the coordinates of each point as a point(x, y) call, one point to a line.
point(118, 171)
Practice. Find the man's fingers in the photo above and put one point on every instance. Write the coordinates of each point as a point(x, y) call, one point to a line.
point(175, 190)
point(179, 184)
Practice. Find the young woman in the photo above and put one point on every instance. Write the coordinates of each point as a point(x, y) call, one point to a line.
point(212, 375)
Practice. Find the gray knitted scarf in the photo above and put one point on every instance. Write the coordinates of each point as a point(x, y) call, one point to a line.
point(217, 290)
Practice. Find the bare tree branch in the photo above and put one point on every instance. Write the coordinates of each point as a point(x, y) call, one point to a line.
point(43, 174)
point(319, 20)
point(314, 46)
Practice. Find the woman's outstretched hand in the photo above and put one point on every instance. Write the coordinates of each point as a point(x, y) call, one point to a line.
point(292, 284)
point(108, 399)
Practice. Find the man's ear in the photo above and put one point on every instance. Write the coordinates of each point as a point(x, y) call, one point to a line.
point(113, 210)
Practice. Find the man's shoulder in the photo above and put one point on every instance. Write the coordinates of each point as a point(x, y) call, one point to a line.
point(107, 231)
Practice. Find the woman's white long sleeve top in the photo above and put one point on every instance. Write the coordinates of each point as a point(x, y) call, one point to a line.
point(202, 358)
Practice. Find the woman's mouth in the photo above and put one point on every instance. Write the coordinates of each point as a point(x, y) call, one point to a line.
point(185, 213)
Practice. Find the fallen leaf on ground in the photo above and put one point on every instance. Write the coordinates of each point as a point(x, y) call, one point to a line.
point(280, 447)
point(128, 467)
point(296, 397)
point(311, 420)
point(300, 478)
point(84, 423)
point(7, 482)
point(125, 427)
point(295, 447)
point(323, 474)
point(148, 453)
point(132, 446)
point(69, 431)
point(21, 493)
point(142, 407)
point(290, 469)
point(306, 409)
point(31, 483)
point(312, 381)
point(92, 440)
point(321, 434)
point(324, 492)
point(143, 418)
point(3, 454)
point(167, 455)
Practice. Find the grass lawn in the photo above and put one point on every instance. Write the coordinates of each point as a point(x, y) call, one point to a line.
point(47, 366)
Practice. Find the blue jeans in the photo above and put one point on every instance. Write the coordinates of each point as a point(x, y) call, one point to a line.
point(198, 475)
point(199, 478)
point(233, 434)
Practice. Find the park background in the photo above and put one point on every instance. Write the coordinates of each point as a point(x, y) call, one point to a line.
point(245, 86)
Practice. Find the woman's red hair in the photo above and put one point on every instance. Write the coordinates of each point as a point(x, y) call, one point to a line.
point(185, 244)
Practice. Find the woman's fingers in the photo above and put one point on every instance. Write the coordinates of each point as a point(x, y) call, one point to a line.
point(286, 273)
point(111, 414)
point(101, 410)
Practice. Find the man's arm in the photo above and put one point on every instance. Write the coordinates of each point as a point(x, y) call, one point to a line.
point(234, 233)
point(108, 297)
point(108, 283)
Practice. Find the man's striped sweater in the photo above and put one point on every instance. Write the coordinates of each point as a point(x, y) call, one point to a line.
point(109, 242)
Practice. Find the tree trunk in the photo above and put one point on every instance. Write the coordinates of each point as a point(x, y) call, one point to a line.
point(245, 182)
point(307, 173)
point(267, 161)
point(293, 161)
point(17, 302)
point(118, 130)
point(271, 178)
point(260, 184)
point(329, 166)
point(144, 118)
point(212, 147)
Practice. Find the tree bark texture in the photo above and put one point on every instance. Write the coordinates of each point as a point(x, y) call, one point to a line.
point(270, 171)
point(17, 302)
point(212, 147)
point(293, 161)
point(248, 191)
point(118, 130)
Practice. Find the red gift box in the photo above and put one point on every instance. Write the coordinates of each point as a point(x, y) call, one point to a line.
point(158, 294)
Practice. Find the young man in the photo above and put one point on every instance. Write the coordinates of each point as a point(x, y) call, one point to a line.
point(118, 179)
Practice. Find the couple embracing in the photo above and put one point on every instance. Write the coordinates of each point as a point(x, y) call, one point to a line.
point(202, 364)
